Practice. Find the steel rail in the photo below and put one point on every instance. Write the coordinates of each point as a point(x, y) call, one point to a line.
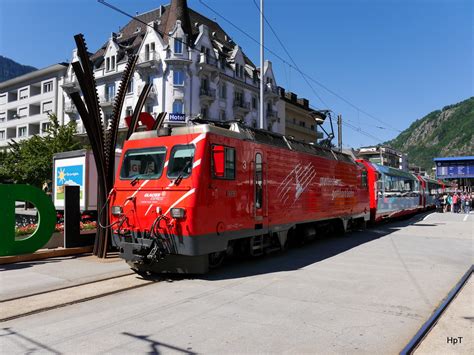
point(430, 323)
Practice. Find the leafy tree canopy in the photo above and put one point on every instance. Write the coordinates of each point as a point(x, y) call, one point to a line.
point(30, 161)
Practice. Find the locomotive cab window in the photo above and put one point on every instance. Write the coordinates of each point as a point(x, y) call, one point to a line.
point(147, 163)
point(181, 161)
point(223, 162)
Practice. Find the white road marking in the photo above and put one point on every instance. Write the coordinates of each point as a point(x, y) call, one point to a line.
point(465, 218)
point(426, 217)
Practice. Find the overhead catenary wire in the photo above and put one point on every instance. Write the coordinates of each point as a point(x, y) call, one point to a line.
point(302, 73)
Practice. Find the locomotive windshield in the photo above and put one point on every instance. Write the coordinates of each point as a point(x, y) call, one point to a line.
point(181, 161)
point(143, 163)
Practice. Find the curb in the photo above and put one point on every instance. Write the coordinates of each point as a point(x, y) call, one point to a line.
point(45, 254)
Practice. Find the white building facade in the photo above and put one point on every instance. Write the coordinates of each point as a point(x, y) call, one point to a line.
point(194, 67)
point(26, 101)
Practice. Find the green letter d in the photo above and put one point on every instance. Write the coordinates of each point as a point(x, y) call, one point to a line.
point(46, 219)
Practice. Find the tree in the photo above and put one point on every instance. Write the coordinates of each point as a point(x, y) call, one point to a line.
point(31, 161)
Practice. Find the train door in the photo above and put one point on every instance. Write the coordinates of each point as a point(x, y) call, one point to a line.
point(260, 192)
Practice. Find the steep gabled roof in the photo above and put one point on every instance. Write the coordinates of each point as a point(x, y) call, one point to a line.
point(131, 36)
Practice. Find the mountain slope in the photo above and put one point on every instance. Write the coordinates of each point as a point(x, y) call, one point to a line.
point(446, 132)
point(10, 69)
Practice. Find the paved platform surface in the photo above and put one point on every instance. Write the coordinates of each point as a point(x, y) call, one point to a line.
point(26, 278)
point(453, 333)
point(368, 292)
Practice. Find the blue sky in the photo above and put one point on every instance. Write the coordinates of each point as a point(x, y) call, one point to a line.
point(395, 59)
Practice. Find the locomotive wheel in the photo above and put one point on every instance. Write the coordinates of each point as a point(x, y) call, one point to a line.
point(216, 259)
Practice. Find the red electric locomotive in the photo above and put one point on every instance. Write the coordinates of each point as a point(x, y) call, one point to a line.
point(184, 198)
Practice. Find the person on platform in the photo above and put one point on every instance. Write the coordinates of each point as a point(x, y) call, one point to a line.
point(444, 203)
point(449, 202)
point(462, 198)
point(467, 204)
point(455, 203)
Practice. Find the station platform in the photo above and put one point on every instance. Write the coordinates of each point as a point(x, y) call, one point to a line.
point(366, 293)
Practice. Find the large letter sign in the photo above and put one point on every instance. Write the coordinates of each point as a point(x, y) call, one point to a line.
point(46, 219)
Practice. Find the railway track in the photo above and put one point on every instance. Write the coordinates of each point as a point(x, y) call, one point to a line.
point(44, 301)
point(420, 336)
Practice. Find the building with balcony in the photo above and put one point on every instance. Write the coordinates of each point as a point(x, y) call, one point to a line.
point(299, 118)
point(384, 155)
point(26, 101)
point(194, 67)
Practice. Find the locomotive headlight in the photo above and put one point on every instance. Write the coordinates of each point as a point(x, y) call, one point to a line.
point(117, 210)
point(178, 213)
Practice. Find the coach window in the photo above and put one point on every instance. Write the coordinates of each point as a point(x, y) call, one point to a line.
point(258, 181)
point(181, 161)
point(364, 178)
point(223, 162)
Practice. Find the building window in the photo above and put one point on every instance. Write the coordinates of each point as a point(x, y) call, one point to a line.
point(223, 93)
point(150, 51)
point(223, 63)
point(3, 99)
point(254, 102)
point(2, 135)
point(130, 87)
point(47, 107)
point(22, 131)
point(222, 115)
point(237, 69)
point(128, 111)
point(23, 93)
point(2, 116)
point(302, 124)
point(110, 92)
point(178, 106)
point(242, 71)
point(178, 77)
point(48, 86)
point(312, 127)
point(22, 112)
point(110, 63)
point(178, 46)
point(44, 127)
point(149, 108)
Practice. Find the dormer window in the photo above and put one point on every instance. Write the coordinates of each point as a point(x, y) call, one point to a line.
point(178, 46)
point(150, 51)
point(110, 63)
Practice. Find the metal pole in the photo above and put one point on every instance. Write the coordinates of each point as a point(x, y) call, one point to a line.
point(339, 132)
point(262, 63)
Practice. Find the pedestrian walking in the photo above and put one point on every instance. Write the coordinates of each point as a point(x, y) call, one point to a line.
point(455, 202)
point(449, 203)
point(444, 202)
point(463, 203)
point(468, 204)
